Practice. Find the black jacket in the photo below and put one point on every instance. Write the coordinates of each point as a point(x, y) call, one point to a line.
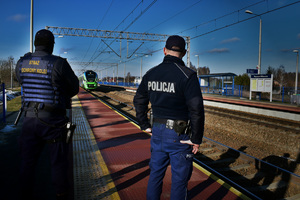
point(174, 93)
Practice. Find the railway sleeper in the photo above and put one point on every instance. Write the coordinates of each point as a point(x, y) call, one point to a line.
point(213, 155)
point(235, 168)
point(220, 161)
point(295, 197)
point(272, 186)
point(205, 150)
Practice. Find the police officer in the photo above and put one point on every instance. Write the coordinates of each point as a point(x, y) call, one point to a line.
point(176, 101)
point(48, 84)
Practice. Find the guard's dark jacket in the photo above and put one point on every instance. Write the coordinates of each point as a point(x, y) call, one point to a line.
point(64, 81)
point(174, 93)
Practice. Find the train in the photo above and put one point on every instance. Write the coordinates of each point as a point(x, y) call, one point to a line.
point(88, 80)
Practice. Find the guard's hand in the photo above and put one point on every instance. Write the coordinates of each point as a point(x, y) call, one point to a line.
point(189, 142)
point(149, 131)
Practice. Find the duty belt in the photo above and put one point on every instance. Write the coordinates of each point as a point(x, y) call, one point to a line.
point(179, 126)
point(43, 111)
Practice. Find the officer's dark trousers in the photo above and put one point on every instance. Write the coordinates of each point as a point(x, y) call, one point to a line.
point(32, 141)
point(166, 149)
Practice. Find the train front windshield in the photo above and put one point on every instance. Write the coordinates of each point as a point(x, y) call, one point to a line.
point(90, 77)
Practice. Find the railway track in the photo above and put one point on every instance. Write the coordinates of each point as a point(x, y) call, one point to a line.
point(284, 125)
point(271, 178)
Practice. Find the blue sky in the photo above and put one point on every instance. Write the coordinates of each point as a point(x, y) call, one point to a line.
point(222, 34)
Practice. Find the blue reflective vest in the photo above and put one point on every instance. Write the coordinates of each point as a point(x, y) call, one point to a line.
point(36, 80)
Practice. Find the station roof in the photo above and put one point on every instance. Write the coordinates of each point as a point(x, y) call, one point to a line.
point(216, 75)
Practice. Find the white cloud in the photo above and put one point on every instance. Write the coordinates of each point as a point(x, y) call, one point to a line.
point(17, 18)
point(219, 50)
point(234, 39)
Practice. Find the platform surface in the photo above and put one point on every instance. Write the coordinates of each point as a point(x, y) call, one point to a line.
point(121, 154)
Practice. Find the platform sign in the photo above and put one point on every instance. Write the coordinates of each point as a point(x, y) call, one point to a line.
point(252, 71)
point(261, 83)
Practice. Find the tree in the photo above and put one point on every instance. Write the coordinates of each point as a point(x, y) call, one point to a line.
point(200, 70)
point(242, 80)
point(279, 76)
point(129, 78)
point(193, 67)
point(6, 71)
point(270, 70)
point(203, 70)
point(290, 79)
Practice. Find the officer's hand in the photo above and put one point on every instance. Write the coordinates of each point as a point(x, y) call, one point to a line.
point(189, 142)
point(149, 131)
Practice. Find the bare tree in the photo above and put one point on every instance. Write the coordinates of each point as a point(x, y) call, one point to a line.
point(203, 70)
point(7, 72)
point(279, 76)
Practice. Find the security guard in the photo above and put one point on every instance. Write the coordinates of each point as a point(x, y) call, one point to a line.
point(48, 84)
point(178, 119)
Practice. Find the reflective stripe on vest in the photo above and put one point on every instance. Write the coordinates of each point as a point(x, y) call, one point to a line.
point(36, 76)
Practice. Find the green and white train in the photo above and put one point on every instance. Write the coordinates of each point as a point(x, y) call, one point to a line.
point(88, 80)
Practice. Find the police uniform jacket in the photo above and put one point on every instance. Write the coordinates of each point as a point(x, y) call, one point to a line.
point(174, 93)
point(63, 77)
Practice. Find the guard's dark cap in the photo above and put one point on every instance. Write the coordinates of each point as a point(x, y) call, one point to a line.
point(44, 38)
point(175, 43)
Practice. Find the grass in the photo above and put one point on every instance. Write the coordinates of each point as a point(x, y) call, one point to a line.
point(14, 104)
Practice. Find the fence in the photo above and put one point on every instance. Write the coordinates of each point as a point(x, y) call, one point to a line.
point(119, 84)
point(283, 94)
point(3, 100)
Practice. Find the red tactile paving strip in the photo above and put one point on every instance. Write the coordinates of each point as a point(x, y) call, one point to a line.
point(126, 151)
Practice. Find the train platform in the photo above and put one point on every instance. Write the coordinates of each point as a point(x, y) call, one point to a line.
point(272, 109)
point(109, 160)
point(111, 156)
point(254, 103)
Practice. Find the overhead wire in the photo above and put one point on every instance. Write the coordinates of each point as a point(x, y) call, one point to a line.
point(97, 28)
point(173, 16)
point(228, 14)
point(185, 9)
point(223, 27)
point(229, 25)
point(92, 57)
point(143, 12)
point(164, 22)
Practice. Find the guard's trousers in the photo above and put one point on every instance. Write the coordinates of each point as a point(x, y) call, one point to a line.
point(33, 138)
point(166, 149)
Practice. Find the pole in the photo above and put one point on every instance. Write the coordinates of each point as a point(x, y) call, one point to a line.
point(113, 80)
point(31, 27)
point(259, 50)
point(124, 74)
point(259, 46)
point(4, 102)
point(188, 43)
point(117, 73)
point(296, 80)
point(141, 68)
point(11, 74)
point(198, 67)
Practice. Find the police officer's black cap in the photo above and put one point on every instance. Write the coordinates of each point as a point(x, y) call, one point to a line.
point(44, 38)
point(175, 43)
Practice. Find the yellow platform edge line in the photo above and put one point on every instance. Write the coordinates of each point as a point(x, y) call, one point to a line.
point(122, 116)
point(110, 184)
point(218, 180)
point(221, 182)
